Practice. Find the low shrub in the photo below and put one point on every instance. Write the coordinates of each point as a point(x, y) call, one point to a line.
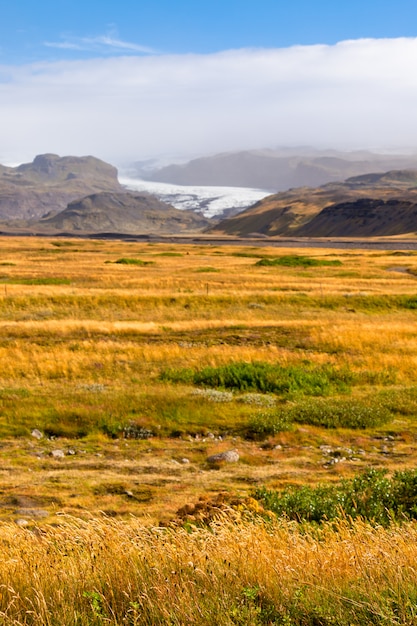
point(370, 496)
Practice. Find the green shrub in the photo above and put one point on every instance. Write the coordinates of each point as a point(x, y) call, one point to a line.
point(370, 495)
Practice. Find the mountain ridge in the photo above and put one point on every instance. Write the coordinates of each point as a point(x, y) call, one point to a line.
point(323, 211)
point(50, 182)
point(276, 170)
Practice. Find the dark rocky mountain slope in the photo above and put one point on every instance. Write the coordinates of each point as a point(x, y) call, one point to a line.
point(369, 205)
point(129, 213)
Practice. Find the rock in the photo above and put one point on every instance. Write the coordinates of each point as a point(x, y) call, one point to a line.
point(33, 513)
point(37, 433)
point(229, 456)
point(134, 431)
point(185, 461)
point(58, 454)
point(22, 523)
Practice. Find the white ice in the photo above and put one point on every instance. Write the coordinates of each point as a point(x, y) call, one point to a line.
point(209, 201)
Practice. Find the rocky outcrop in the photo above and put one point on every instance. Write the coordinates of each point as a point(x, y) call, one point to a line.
point(50, 182)
point(128, 213)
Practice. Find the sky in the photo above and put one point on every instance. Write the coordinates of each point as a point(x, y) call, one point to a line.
point(135, 79)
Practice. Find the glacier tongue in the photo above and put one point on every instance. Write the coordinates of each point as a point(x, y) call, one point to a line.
point(211, 202)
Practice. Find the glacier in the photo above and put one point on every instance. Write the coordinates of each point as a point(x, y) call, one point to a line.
point(212, 202)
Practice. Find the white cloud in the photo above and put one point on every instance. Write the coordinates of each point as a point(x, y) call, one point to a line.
point(355, 94)
point(103, 44)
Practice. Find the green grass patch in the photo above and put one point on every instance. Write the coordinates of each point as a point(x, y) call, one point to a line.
point(323, 412)
point(207, 269)
point(63, 244)
point(128, 261)
point(43, 280)
point(248, 255)
point(169, 254)
point(306, 379)
point(293, 260)
point(339, 413)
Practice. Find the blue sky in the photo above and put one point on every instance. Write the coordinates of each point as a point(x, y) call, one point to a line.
point(135, 80)
point(72, 29)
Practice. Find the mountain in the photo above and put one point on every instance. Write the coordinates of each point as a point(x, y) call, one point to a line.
point(275, 170)
point(50, 182)
point(369, 205)
point(126, 213)
point(364, 218)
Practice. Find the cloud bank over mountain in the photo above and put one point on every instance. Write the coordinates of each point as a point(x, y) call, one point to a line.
point(356, 94)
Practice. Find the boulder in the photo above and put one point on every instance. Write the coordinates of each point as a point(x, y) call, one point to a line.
point(229, 456)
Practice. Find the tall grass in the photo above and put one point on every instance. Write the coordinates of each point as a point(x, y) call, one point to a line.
point(252, 572)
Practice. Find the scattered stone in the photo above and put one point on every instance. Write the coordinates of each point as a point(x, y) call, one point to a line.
point(71, 452)
point(22, 523)
point(278, 447)
point(33, 513)
point(37, 433)
point(185, 461)
point(134, 431)
point(229, 456)
point(58, 454)
point(129, 493)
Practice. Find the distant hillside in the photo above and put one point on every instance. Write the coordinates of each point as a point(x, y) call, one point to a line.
point(369, 205)
point(127, 213)
point(365, 218)
point(50, 182)
point(276, 170)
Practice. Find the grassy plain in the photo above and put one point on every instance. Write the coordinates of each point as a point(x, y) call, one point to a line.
point(112, 351)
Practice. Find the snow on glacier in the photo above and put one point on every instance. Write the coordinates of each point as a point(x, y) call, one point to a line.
point(209, 201)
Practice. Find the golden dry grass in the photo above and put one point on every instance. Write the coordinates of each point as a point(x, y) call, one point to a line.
point(83, 341)
point(236, 572)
